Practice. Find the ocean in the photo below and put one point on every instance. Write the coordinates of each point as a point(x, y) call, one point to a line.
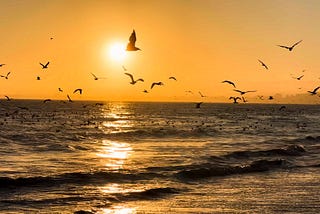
point(139, 157)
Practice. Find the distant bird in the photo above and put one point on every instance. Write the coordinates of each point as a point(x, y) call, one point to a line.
point(60, 89)
point(132, 40)
point(242, 92)
point(8, 98)
point(2, 65)
point(229, 82)
point(145, 91)
point(97, 78)
point(270, 98)
point(290, 48)
point(38, 78)
point(190, 92)
point(198, 104)
point(314, 92)
point(69, 99)
point(172, 78)
point(201, 94)
point(156, 83)
point(78, 90)
point(132, 80)
point(263, 64)
point(244, 100)
point(46, 100)
point(6, 77)
point(51, 38)
point(298, 78)
point(44, 66)
point(235, 99)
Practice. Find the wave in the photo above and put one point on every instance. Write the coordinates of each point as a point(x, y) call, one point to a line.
point(75, 178)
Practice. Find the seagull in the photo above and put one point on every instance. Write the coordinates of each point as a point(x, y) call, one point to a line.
point(235, 99)
point(78, 89)
point(8, 98)
point(242, 92)
point(291, 47)
point(201, 94)
point(38, 78)
point(145, 91)
point(132, 80)
point(156, 83)
point(97, 78)
point(263, 64)
point(198, 104)
point(298, 78)
point(60, 90)
point(270, 98)
point(228, 81)
point(46, 100)
point(132, 40)
point(172, 78)
point(6, 77)
point(69, 99)
point(2, 65)
point(314, 92)
point(44, 66)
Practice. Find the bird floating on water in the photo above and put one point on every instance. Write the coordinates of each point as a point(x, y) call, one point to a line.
point(290, 48)
point(132, 79)
point(132, 41)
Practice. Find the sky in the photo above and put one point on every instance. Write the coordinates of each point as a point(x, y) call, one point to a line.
point(200, 42)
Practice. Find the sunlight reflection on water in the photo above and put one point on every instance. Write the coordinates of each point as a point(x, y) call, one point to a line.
point(114, 154)
point(119, 210)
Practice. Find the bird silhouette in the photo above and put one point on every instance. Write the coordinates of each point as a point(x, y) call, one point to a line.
point(2, 65)
point(201, 94)
point(229, 82)
point(156, 83)
point(8, 98)
point(290, 48)
point(38, 78)
point(244, 100)
point(145, 91)
point(78, 90)
point(6, 76)
point(198, 104)
point(60, 89)
point(44, 66)
point(242, 92)
point(263, 64)
point(132, 80)
point(97, 78)
point(235, 99)
point(172, 78)
point(132, 40)
point(270, 98)
point(298, 78)
point(314, 92)
point(69, 99)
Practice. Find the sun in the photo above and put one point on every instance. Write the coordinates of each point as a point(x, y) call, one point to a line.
point(117, 52)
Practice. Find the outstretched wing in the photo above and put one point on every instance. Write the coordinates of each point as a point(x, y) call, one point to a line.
point(130, 75)
point(316, 89)
point(132, 38)
point(238, 90)
point(78, 89)
point(296, 43)
point(282, 46)
point(47, 64)
point(231, 83)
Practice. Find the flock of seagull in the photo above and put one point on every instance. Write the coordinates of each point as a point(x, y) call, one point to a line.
point(132, 47)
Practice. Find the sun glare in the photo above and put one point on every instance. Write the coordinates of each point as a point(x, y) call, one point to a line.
point(117, 52)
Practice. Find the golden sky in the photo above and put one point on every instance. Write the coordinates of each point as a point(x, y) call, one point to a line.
point(200, 42)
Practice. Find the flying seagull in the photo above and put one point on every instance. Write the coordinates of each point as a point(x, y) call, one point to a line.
point(44, 66)
point(156, 83)
point(172, 78)
point(242, 92)
point(132, 40)
point(314, 92)
point(263, 64)
point(6, 77)
point(78, 90)
point(290, 48)
point(60, 89)
point(132, 80)
point(38, 78)
point(97, 78)
point(145, 91)
point(235, 99)
point(229, 82)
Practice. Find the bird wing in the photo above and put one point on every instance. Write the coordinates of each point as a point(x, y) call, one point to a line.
point(130, 75)
point(300, 77)
point(140, 80)
point(47, 64)
point(173, 78)
point(227, 81)
point(132, 38)
point(69, 98)
point(250, 91)
point(282, 46)
point(153, 84)
point(8, 73)
point(78, 89)
point(316, 89)
point(238, 90)
point(296, 43)
point(94, 76)
point(42, 64)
